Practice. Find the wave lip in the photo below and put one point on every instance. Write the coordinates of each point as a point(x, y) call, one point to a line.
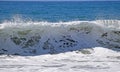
point(109, 23)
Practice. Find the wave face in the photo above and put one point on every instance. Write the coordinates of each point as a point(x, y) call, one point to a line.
point(23, 38)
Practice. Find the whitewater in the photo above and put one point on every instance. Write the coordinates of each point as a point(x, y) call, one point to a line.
point(74, 46)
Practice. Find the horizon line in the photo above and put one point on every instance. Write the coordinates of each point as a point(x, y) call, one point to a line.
point(58, 0)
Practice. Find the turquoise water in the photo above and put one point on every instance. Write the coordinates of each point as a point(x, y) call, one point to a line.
point(60, 11)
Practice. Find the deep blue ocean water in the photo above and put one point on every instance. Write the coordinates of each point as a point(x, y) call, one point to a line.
point(60, 11)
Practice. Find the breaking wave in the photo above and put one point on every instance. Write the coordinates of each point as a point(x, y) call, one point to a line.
point(19, 37)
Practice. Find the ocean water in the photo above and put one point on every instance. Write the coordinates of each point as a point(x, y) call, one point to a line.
point(60, 36)
point(35, 28)
point(60, 11)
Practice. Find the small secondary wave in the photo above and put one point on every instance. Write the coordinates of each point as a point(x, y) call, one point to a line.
point(19, 37)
